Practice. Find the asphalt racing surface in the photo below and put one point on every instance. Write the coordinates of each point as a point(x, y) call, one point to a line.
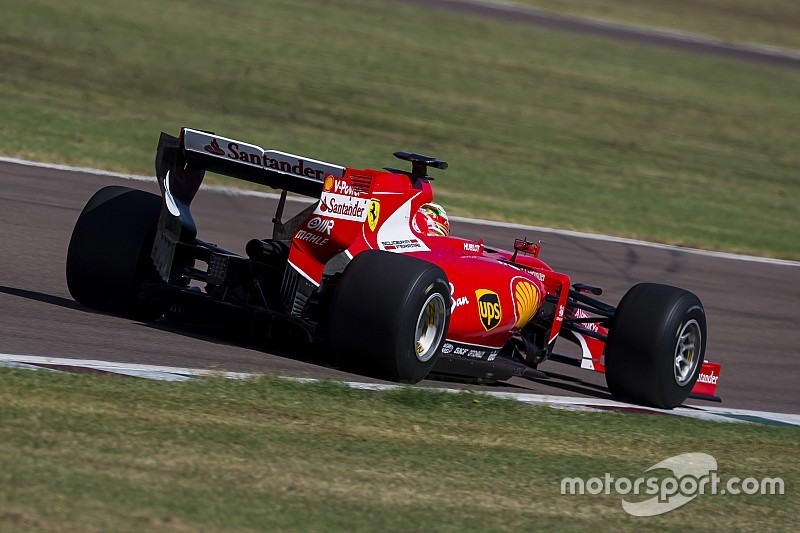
point(645, 35)
point(750, 305)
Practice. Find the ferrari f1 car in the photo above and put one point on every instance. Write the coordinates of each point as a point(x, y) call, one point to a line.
point(355, 273)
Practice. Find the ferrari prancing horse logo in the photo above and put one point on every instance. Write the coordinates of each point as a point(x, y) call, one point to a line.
point(373, 214)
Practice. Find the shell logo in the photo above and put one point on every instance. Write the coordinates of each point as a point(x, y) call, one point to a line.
point(328, 183)
point(526, 300)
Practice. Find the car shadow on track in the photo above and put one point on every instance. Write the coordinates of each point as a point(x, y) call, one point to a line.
point(300, 353)
point(45, 298)
point(554, 383)
point(574, 386)
point(308, 354)
point(207, 334)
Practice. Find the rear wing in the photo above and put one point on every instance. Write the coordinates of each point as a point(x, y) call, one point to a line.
point(280, 170)
point(181, 163)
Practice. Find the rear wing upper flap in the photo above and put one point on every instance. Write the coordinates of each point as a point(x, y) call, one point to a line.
point(279, 170)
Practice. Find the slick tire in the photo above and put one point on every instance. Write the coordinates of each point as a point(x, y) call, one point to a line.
point(389, 316)
point(109, 252)
point(656, 345)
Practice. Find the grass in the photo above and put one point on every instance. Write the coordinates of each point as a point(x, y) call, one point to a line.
point(99, 453)
point(539, 127)
point(772, 22)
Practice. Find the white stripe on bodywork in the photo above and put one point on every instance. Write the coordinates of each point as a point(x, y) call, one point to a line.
point(302, 273)
point(172, 207)
point(586, 353)
point(398, 228)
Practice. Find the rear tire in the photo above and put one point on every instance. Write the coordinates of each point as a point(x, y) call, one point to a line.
point(389, 315)
point(656, 344)
point(109, 252)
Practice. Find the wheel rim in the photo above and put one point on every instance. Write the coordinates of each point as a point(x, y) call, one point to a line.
point(687, 352)
point(430, 327)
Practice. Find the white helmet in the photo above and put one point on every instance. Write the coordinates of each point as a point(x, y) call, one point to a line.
point(431, 220)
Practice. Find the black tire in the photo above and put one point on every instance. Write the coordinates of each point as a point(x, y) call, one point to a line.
point(377, 308)
point(109, 252)
point(644, 340)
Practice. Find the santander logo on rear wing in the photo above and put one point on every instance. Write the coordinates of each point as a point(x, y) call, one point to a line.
point(241, 160)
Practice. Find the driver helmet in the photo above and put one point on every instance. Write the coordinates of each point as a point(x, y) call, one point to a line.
point(431, 220)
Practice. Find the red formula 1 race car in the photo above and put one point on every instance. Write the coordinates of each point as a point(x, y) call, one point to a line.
point(370, 272)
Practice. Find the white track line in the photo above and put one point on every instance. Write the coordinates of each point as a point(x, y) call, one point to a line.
point(114, 366)
point(234, 191)
point(168, 373)
point(68, 168)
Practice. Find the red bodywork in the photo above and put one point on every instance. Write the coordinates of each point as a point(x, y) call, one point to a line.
point(494, 293)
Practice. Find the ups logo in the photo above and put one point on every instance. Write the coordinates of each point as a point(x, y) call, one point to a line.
point(489, 308)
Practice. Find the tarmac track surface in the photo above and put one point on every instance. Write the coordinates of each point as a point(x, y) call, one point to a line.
point(667, 38)
point(750, 305)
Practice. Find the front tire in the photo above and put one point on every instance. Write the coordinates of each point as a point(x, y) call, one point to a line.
point(109, 251)
point(389, 315)
point(656, 345)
